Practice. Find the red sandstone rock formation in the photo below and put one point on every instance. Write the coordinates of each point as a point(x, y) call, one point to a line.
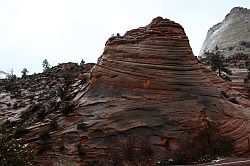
point(147, 83)
point(227, 88)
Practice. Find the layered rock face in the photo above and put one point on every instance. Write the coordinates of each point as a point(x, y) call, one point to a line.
point(148, 84)
point(32, 109)
point(232, 35)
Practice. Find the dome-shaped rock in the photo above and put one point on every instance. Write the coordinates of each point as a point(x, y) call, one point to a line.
point(147, 83)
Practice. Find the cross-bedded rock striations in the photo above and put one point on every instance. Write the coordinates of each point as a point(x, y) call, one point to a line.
point(147, 83)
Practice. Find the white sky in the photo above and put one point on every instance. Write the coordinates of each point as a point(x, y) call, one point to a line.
point(71, 30)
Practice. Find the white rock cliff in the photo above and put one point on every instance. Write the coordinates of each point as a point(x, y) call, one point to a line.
point(231, 36)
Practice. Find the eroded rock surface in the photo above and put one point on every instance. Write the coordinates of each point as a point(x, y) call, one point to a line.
point(33, 108)
point(147, 83)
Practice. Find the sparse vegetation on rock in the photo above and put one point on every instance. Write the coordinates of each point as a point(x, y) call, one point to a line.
point(42, 148)
point(24, 72)
point(20, 131)
point(81, 126)
point(207, 145)
point(217, 62)
point(41, 114)
point(11, 86)
point(82, 62)
point(132, 150)
point(35, 107)
point(81, 150)
point(46, 65)
point(68, 108)
point(12, 151)
point(62, 93)
point(68, 78)
point(45, 136)
point(145, 90)
point(37, 102)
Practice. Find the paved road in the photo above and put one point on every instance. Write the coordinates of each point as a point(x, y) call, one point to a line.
point(234, 163)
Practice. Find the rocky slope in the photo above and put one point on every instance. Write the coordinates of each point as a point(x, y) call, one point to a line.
point(147, 84)
point(34, 105)
point(231, 36)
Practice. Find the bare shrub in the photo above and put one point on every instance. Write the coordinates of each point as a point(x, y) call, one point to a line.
point(127, 152)
point(205, 147)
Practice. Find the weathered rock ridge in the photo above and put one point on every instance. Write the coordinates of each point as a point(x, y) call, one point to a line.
point(232, 35)
point(32, 107)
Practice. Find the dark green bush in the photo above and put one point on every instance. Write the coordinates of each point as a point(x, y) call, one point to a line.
point(223, 147)
point(62, 147)
point(35, 107)
point(11, 87)
point(219, 63)
point(12, 151)
point(43, 148)
point(68, 78)
point(81, 150)
point(68, 108)
point(207, 146)
point(45, 136)
point(41, 115)
point(146, 149)
point(20, 131)
point(129, 151)
point(62, 94)
point(54, 105)
point(81, 126)
point(53, 125)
